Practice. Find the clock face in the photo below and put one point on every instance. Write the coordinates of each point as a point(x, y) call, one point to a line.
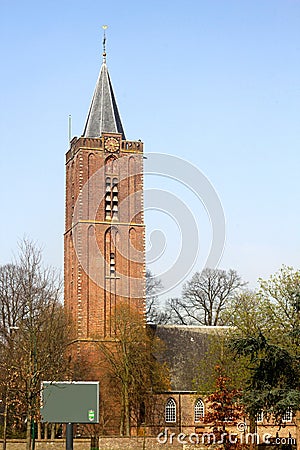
point(111, 144)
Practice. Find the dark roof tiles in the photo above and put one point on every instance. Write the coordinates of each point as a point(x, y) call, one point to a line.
point(103, 114)
point(184, 348)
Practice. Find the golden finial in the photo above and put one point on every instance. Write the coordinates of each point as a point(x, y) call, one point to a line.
point(104, 27)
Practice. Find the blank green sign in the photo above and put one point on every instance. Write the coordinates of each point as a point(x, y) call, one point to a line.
point(70, 402)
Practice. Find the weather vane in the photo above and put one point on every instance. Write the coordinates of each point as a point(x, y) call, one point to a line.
point(104, 27)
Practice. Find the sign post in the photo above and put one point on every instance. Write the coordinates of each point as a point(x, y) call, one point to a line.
point(69, 436)
point(70, 402)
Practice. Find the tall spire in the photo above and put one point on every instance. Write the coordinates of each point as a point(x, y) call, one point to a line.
point(103, 114)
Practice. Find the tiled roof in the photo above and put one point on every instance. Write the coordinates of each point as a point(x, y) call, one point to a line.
point(184, 347)
point(103, 114)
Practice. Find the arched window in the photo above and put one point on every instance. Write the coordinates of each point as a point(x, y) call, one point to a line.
point(111, 199)
point(260, 416)
point(142, 418)
point(199, 410)
point(111, 165)
point(287, 416)
point(170, 410)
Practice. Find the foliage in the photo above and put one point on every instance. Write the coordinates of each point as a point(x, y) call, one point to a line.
point(219, 354)
point(224, 406)
point(281, 294)
point(247, 314)
point(33, 334)
point(273, 384)
point(131, 362)
point(270, 345)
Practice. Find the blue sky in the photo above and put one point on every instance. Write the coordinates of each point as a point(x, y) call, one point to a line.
point(215, 82)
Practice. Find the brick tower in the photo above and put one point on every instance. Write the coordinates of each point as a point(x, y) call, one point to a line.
point(104, 264)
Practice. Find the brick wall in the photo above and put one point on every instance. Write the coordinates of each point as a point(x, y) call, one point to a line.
point(92, 290)
point(105, 443)
point(117, 443)
point(91, 293)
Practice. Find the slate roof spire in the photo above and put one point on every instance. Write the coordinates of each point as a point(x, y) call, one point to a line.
point(103, 114)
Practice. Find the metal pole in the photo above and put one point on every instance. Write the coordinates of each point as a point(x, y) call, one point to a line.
point(69, 436)
point(33, 434)
point(34, 393)
point(5, 415)
point(70, 127)
point(5, 418)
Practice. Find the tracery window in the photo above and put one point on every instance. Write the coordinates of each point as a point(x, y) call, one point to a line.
point(259, 416)
point(170, 410)
point(287, 416)
point(199, 410)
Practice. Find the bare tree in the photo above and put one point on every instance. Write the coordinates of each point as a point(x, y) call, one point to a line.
point(154, 311)
point(12, 302)
point(33, 333)
point(131, 363)
point(205, 297)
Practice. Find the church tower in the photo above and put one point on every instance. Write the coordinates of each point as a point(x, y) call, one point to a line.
point(104, 255)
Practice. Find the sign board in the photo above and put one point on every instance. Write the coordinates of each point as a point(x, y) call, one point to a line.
point(70, 402)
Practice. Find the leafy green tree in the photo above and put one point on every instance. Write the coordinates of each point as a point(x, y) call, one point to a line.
point(266, 335)
point(281, 297)
point(273, 385)
point(218, 354)
point(247, 314)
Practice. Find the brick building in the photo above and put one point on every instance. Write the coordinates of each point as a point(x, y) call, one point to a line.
point(104, 233)
point(104, 261)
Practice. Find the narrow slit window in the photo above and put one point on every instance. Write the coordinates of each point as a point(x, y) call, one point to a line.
point(115, 200)
point(112, 265)
point(142, 413)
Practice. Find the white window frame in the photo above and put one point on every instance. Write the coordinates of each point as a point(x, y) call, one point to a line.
point(170, 411)
point(260, 416)
point(287, 416)
point(199, 410)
